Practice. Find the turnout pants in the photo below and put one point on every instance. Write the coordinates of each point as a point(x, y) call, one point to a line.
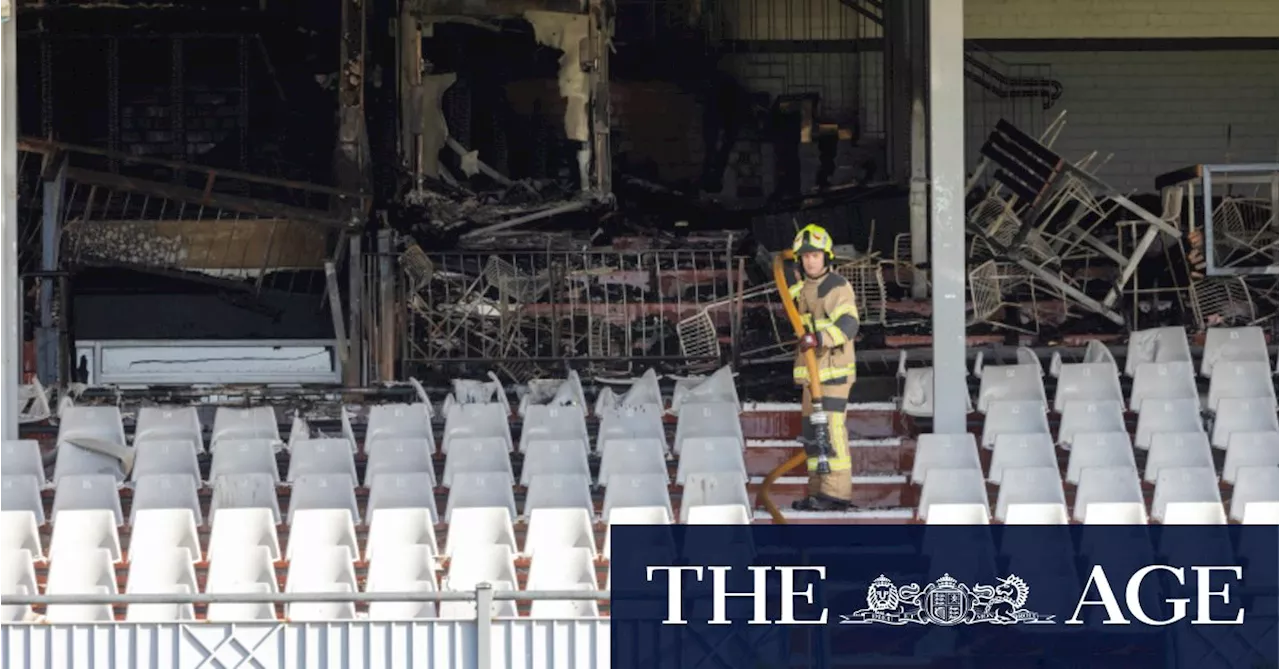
point(838, 484)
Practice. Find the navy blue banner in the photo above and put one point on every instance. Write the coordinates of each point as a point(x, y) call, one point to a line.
point(999, 597)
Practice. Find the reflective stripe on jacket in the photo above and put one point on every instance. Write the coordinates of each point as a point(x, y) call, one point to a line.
point(829, 309)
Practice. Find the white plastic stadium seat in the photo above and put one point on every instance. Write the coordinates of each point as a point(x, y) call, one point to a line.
point(180, 424)
point(554, 457)
point(403, 491)
point(1101, 449)
point(254, 423)
point(563, 569)
point(1021, 450)
point(717, 489)
point(21, 457)
point(944, 451)
point(551, 529)
point(1250, 449)
point(1170, 449)
point(324, 491)
point(22, 493)
point(1242, 415)
point(1022, 382)
point(321, 528)
point(632, 456)
point(1184, 484)
point(1167, 344)
point(166, 491)
point(162, 529)
point(1243, 344)
point(637, 490)
point(628, 422)
point(393, 530)
point(487, 455)
point(244, 491)
point(635, 515)
point(399, 456)
point(480, 490)
point(85, 530)
point(1241, 380)
point(245, 456)
point(1178, 416)
point(958, 514)
point(558, 423)
point(705, 455)
point(1163, 381)
point(1089, 417)
point(1014, 417)
point(476, 421)
point(393, 422)
point(19, 531)
point(88, 572)
point(321, 456)
point(558, 491)
point(718, 421)
point(1112, 485)
point(1029, 485)
point(165, 456)
point(92, 491)
point(485, 526)
point(1090, 382)
point(237, 530)
point(952, 486)
point(1254, 486)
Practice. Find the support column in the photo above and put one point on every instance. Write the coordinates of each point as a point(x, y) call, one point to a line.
point(47, 336)
point(897, 89)
point(10, 287)
point(351, 168)
point(354, 371)
point(386, 309)
point(598, 36)
point(946, 167)
point(917, 42)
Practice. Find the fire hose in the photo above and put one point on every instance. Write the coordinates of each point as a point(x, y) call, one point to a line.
point(821, 441)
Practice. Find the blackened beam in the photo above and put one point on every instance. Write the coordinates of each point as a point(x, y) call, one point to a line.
point(193, 196)
point(528, 218)
point(495, 8)
point(44, 146)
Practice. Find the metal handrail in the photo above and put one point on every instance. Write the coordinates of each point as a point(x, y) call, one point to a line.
point(306, 597)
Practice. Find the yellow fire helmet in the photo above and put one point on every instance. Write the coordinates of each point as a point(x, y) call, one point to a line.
point(812, 238)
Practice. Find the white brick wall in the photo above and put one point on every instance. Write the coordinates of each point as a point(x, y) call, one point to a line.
point(792, 20)
point(1153, 111)
point(1159, 111)
point(1049, 19)
point(1015, 19)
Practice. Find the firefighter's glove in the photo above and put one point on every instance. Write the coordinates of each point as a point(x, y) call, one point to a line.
point(808, 342)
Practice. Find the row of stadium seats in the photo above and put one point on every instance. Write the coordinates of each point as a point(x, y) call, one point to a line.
point(330, 539)
point(1171, 451)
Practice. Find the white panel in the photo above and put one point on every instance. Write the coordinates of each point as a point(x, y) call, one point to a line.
point(516, 644)
point(177, 361)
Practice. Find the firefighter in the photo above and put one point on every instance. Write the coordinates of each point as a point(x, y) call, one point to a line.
point(827, 305)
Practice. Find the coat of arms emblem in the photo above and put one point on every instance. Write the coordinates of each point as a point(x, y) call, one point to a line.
point(946, 602)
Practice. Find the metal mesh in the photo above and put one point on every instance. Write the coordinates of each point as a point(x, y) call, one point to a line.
point(1245, 230)
point(604, 310)
point(698, 336)
point(1222, 302)
point(868, 288)
point(984, 290)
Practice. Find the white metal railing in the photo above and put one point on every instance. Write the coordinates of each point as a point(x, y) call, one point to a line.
point(484, 595)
